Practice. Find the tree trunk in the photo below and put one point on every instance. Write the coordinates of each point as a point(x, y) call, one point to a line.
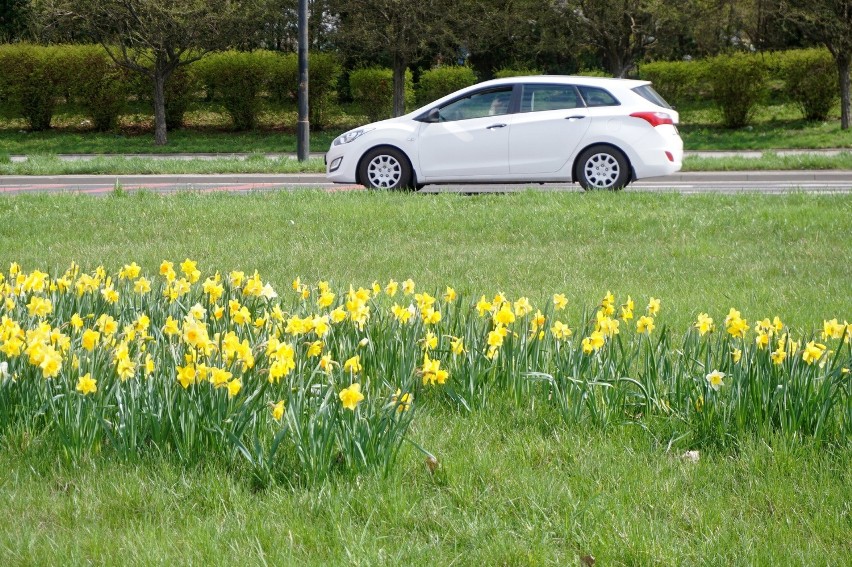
point(843, 60)
point(160, 132)
point(400, 65)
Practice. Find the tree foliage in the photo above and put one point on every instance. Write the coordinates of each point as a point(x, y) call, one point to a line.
point(154, 38)
point(830, 23)
point(404, 30)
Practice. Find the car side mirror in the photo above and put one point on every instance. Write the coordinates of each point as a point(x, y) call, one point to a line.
point(434, 115)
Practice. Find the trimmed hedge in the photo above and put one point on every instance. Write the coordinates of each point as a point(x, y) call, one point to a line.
point(507, 72)
point(238, 79)
point(677, 81)
point(323, 71)
point(32, 79)
point(810, 80)
point(441, 81)
point(372, 90)
point(737, 84)
point(97, 84)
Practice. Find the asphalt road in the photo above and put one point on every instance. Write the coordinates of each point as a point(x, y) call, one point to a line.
point(714, 182)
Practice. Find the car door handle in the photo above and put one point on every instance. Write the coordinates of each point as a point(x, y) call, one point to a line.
point(576, 117)
point(495, 126)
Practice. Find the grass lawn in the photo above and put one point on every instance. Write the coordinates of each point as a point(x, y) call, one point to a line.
point(515, 485)
point(52, 165)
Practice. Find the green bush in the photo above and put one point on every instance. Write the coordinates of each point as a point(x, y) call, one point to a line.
point(323, 73)
point(238, 79)
point(182, 87)
point(441, 81)
point(677, 81)
point(737, 85)
point(97, 84)
point(507, 72)
point(32, 79)
point(372, 90)
point(810, 80)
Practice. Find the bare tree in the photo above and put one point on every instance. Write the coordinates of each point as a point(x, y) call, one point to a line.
point(828, 22)
point(155, 38)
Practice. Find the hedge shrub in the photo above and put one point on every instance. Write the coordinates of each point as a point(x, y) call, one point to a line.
point(372, 90)
point(677, 81)
point(238, 79)
point(441, 81)
point(323, 70)
point(182, 87)
point(810, 80)
point(97, 84)
point(32, 79)
point(507, 72)
point(737, 85)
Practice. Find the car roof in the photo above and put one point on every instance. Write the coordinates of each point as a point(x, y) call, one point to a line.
point(572, 79)
point(579, 80)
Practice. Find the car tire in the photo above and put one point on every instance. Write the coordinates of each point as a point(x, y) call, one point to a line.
point(385, 168)
point(603, 168)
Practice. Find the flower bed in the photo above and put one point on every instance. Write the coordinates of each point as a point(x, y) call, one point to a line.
point(317, 380)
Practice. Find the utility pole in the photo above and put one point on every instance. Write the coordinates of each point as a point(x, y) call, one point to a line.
point(303, 141)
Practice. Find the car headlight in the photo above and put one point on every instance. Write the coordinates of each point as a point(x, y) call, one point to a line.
point(351, 136)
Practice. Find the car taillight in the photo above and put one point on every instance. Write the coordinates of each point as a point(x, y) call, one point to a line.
point(654, 118)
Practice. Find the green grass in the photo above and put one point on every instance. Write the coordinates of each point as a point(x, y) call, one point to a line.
point(16, 141)
point(766, 255)
point(770, 161)
point(258, 163)
point(512, 489)
point(516, 486)
point(775, 126)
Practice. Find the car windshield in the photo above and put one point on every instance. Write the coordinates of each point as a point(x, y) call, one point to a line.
point(648, 93)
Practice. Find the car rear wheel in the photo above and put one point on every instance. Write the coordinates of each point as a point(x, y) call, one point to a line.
point(602, 167)
point(385, 168)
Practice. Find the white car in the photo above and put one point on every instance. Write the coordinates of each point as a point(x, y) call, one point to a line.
point(602, 133)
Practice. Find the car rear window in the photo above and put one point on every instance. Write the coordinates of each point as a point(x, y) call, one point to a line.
point(648, 93)
point(595, 96)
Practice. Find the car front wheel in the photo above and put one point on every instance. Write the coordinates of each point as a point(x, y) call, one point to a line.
point(385, 168)
point(602, 167)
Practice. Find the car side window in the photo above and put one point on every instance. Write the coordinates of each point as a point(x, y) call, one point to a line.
point(478, 105)
point(595, 96)
point(538, 98)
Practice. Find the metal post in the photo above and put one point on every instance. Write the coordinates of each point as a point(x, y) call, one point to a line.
point(303, 142)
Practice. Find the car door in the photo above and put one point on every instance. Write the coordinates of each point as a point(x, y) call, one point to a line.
point(550, 123)
point(470, 137)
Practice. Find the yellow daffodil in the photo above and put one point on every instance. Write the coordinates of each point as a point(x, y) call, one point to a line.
point(351, 396)
point(645, 324)
point(736, 355)
point(87, 385)
point(353, 364)
point(278, 410)
point(714, 379)
point(813, 352)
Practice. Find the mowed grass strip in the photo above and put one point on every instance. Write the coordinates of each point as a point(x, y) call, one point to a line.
point(512, 488)
point(515, 485)
point(765, 255)
point(259, 163)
